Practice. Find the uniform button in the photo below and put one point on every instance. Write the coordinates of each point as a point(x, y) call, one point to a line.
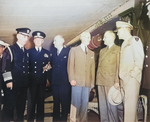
point(43, 62)
point(23, 66)
point(28, 72)
point(146, 56)
point(28, 66)
point(35, 62)
point(27, 61)
point(35, 67)
point(23, 71)
point(146, 65)
point(34, 71)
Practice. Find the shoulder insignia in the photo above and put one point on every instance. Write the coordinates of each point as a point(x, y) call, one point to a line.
point(137, 39)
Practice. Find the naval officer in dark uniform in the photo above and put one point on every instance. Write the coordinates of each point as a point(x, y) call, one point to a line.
point(3, 45)
point(15, 73)
point(39, 63)
point(60, 83)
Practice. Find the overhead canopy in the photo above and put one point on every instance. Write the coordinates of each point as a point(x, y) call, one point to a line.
point(66, 17)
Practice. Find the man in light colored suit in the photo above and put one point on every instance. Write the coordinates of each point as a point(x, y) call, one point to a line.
point(81, 72)
point(107, 76)
point(130, 70)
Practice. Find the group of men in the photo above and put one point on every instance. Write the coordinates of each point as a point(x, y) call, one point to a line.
point(72, 76)
point(22, 70)
point(26, 71)
point(120, 68)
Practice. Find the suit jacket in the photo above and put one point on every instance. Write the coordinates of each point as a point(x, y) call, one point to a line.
point(81, 67)
point(37, 61)
point(146, 67)
point(15, 66)
point(108, 66)
point(131, 59)
point(59, 66)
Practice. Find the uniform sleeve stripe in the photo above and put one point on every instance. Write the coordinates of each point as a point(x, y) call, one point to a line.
point(10, 54)
point(7, 76)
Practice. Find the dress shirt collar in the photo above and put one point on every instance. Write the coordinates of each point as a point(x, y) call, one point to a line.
point(83, 47)
point(110, 46)
point(59, 50)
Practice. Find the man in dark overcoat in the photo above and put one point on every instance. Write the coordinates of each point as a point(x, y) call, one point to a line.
point(60, 83)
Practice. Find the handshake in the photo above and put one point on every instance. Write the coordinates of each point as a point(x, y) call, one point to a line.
point(47, 67)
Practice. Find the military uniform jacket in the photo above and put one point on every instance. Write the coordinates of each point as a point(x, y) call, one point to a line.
point(15, 66)
point(108, 66)
point(59, 66)
point(81, 67)
point(131, 59)
point(37, 61)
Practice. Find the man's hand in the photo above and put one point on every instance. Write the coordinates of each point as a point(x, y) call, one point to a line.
point(47, 83)
point(73, 83)
point(9, 85)
point(116, 85)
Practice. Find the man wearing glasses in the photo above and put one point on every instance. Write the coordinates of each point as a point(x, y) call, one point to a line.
point(15, 73)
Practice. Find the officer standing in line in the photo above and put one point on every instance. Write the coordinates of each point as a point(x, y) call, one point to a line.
point(2, 48)
point(39, 63)
point(15, 73)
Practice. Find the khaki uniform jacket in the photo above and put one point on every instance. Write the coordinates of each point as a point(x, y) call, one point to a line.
point(81, 67)
point(131, 59)
point(108, 66)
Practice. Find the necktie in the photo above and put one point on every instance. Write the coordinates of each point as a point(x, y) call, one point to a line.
point(57, 52)
point(22, 49)
point(38, 50)
point(107, 48)
point(85, 50)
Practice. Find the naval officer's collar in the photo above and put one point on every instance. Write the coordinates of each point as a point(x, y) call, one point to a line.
point(20, 45)
point(38, 48)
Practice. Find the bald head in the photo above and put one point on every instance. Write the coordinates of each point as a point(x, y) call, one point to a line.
point(85, 38)
point(109, 37)
point(58, 41)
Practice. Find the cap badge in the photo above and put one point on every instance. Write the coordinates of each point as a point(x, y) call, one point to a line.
point(38, 34)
